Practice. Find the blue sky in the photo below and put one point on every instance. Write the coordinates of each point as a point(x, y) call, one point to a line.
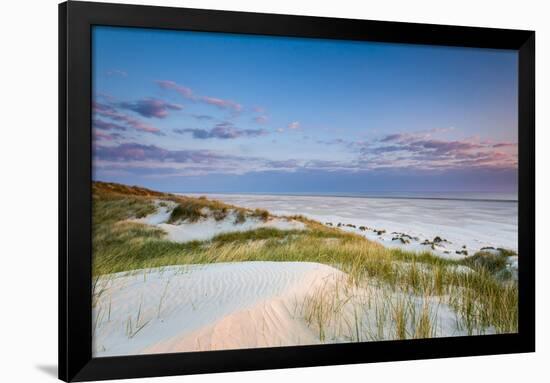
point(193, 111)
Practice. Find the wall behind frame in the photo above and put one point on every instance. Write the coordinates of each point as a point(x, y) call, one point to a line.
point(28, 203)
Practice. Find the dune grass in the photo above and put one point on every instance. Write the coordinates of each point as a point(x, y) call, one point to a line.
point(191, 209)
point(481, 300)
point(487, 261)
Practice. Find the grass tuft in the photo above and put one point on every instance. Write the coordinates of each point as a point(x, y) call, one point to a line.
point(261, 214)
point(190, 211)
point(490, 262)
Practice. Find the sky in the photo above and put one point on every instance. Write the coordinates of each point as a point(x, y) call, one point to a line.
point(214, 112)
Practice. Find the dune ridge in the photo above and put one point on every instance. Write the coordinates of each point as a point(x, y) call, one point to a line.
point(204, 307)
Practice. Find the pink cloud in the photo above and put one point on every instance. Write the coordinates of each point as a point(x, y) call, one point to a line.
point(223, 130)
point(113, 114)
point(505, 145)
point(419, 150)
point(190, 95)
point(98, 135)
point(171, 85)
point(105, 125)
point(150, 107)
point(221, 103)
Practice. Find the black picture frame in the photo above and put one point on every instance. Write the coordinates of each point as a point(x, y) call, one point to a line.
point(75, 256)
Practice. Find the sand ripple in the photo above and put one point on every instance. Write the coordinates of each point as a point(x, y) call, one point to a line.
point(218, 306)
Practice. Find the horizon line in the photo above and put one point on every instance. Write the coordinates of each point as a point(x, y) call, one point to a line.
point(341, 195)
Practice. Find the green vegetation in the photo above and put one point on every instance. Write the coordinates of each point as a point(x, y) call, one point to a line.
point(491, 262)
point(190, 211)
point(471, 287)
point(240, 217)
point(111, 189)
point(261, 214)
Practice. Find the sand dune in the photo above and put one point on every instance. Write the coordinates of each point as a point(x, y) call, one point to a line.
point(186, 308)
point(206, 229)
point(248, 305)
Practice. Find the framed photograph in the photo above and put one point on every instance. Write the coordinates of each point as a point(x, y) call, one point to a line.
point(245, 191)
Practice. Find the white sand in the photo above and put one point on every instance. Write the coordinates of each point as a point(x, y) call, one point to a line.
point(161, 215)
point(208, 228)
point(187, 308)
point(239, 305)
